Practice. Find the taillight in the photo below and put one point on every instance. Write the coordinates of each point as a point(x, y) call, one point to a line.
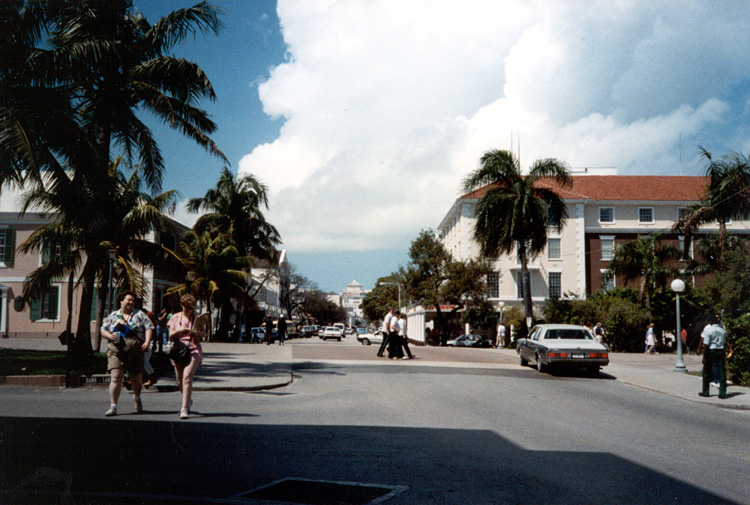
point(557, 354)
point(599, 355)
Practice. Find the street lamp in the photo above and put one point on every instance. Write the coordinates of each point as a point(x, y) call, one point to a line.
point(678, 286)
point(399, 290)
point(111, 258)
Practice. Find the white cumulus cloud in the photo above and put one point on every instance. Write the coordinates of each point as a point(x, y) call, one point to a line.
point(389, 104)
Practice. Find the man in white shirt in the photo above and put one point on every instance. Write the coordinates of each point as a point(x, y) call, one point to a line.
point(714, 340)
point(403, 338)
point(385, 329)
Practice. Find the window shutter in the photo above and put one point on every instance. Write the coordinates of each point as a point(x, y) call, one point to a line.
point(94, 298)
point(9, 247)
point(35, 304)
point(54, 295)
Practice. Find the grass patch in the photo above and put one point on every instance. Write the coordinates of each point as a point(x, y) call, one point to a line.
point(25, 362)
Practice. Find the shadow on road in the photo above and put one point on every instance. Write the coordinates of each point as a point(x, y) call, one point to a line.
point(121, 461)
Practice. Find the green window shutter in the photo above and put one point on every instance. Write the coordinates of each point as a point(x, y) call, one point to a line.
point(54, 296)
point(9, 246)
point(46, 253)
point(94, 298)
point(35, 304)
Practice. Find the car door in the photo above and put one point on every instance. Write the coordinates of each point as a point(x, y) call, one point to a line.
point(532, 343)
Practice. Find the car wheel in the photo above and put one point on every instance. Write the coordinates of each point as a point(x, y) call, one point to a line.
point(339, 339)
point(539, 365)
point(366, 341)
point(522, 361)
point(593, 370)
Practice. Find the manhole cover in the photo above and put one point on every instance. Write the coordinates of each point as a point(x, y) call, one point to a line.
point(318, 492)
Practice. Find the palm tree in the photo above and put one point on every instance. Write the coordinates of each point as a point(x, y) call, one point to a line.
point(727, 197)
point(74, 77)
point(516, 210)
point(83, 238)
point(218, 269)
point(87, 67)
point(235, 203)
point(648, 260)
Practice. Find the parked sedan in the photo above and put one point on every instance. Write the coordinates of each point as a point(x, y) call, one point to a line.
point(331, 332)
point(562, 345)
point(469, 340)
point(367, 338)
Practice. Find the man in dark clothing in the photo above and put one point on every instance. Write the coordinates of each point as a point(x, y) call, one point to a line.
point(268, 323)
point(282, 330)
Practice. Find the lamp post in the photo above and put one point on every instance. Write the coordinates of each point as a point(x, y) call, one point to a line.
point(678, 286)
point(111, 257)
point(399, 290)
point(501, 306)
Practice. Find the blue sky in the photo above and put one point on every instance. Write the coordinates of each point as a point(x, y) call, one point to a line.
point(363, 116)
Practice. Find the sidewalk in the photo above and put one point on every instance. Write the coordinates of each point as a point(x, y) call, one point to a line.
point(250, 367)
point(226, 367)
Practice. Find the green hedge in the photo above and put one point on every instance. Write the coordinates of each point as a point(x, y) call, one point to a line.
point(738, 366)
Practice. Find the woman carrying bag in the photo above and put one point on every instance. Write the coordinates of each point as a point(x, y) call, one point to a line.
point(187, 353)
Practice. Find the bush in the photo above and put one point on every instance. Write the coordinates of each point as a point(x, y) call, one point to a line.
point(738, 366)
point(624, 321)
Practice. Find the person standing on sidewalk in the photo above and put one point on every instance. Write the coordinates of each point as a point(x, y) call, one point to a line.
point(714, 341)
point(129, 332)
point(181, 333)
point(385, 330)
point(268, 323)
point(282, 329)
point(500, 338)
point(162, 335)
point(650, 340)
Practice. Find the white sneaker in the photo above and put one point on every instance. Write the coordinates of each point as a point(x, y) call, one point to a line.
point(112, 411)
point(184, 414)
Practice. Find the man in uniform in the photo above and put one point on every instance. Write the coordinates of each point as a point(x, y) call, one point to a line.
point(714, 341)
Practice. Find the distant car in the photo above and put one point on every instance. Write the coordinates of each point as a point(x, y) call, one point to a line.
point(341, 328)
point(562, 345)
point(308, 331)
point(349, 331)
point(469, 340)
point(331, 332)
point(259, 335)
point(367, 338)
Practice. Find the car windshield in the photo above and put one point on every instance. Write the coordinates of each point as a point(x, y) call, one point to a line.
point(568, 334)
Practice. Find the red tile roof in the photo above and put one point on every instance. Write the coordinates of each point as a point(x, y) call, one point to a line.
point(660, 188)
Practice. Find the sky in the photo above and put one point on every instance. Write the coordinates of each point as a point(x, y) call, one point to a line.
point(363, 116)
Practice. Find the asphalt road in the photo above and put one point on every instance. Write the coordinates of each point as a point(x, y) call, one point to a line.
point(438, 435)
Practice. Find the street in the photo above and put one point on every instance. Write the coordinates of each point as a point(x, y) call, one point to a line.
point(437, 434)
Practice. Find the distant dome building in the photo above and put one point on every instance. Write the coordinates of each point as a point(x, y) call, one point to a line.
point(351, 298)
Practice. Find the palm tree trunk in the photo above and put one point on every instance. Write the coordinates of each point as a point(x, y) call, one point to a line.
point(83, 334)
point(100, 302)
point(723, 239)
point(526, 283)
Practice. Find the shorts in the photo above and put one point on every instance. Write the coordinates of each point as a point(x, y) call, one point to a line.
point(130, 356)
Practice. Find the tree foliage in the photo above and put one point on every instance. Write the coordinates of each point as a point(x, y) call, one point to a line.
point(647, 260)
point(434, 279)
point(381, 298)
point(517, 210)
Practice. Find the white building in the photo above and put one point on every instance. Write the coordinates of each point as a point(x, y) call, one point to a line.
point(350, 299)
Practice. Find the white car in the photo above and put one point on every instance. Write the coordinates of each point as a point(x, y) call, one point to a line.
point(369, 338)
point(331, 332)
point(560, 345)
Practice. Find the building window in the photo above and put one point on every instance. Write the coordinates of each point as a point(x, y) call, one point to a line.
point(555, 285)
point(46, 307)
point(606, 214)
point(645, 215)
point(50, 252)
point(553, 249)
point(7, 236)
point(608, 248)
point(682, 248)
point(682, 212)
point(493, 285)
point(607, 284)
point(519, 285)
